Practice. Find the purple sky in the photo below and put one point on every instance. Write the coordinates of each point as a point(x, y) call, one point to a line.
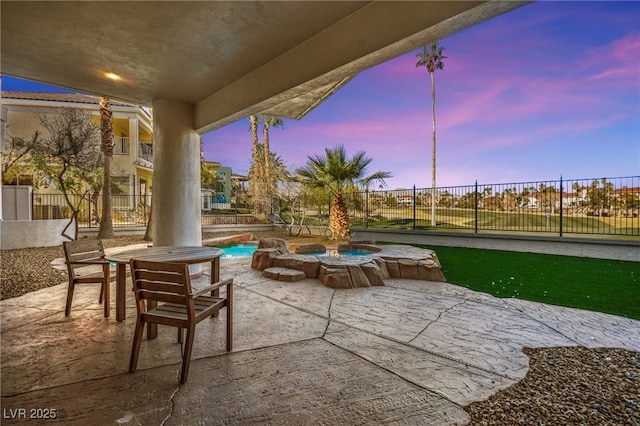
point(550, 89)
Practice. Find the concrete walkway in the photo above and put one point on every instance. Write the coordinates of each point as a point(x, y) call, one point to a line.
point(411, 352)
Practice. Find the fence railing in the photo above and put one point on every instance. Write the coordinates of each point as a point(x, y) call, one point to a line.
point(607, 206)
point(603, 206)
point(126, 210)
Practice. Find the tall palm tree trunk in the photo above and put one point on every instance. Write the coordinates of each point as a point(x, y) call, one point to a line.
point(267, 155)
point(256, 182)
point(106, 131)
point(433, 151)
point(148, 233)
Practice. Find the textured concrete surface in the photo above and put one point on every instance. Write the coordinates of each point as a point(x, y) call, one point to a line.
point(411, 352)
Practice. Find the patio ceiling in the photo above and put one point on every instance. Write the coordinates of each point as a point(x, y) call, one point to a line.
point(228, 59)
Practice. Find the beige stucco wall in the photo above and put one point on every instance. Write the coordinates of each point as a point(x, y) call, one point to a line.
point(32, 233)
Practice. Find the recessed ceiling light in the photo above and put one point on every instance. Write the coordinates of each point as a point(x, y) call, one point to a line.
point(112, 76)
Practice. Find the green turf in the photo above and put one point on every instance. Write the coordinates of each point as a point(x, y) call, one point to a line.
point(600, 285)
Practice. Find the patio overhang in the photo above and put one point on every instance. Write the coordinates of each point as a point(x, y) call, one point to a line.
point(203, 64)
point(228, 59)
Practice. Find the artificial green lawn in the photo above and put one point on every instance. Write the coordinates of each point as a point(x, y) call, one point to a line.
point(598, 285)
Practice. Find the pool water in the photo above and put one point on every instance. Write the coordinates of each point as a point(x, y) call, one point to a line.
point(246, 250)
point(344, 253)
point(238, 250)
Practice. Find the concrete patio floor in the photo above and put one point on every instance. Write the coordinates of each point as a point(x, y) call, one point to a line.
point(411, 352)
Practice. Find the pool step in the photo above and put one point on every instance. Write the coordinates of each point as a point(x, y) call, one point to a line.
point(283, 274)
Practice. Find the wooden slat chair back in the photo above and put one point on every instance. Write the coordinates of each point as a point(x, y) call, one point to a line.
point(170, 285)
point(86, 265)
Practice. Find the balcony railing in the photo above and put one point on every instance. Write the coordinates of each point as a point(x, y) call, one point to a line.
point(145, 152)
point(122, 146)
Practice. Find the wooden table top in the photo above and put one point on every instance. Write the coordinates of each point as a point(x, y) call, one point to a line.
point(182, 254)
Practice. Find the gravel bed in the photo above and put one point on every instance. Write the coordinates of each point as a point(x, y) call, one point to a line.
point(564, 386)
point(568, 386)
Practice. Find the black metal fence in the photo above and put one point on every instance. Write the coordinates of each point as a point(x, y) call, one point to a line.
point(598, 206)
point(126, 210)
point(603, 206)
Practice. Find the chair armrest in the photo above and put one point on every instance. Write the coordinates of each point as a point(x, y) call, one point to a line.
point(214, 286)
point(88, 262)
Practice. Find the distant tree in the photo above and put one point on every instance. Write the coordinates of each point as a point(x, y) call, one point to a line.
point(290, 195)
point(106, 147)
point(335, 173)
point(71, 150)
point(209, 177)
point(317, 199)
point(599, 193)
point(432, 59)
point(16, 151)
point(508, 196)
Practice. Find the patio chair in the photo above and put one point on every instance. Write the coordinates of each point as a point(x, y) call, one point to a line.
point(170, 284)
point(86, 265)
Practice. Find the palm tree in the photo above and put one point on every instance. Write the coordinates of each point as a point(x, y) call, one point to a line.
point(256, 176)
point(267, 122)
point(432, 60)
point(335, 173)
point(106, 146)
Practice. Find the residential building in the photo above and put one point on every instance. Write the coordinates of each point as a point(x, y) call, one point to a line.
point(219, 196)
point(132, 163)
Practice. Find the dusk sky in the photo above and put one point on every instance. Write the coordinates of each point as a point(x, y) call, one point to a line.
point(550, 89)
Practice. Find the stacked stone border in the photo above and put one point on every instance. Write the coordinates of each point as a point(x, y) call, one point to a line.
point(277, 262)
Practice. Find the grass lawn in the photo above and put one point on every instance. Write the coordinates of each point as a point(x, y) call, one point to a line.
point(601, 285)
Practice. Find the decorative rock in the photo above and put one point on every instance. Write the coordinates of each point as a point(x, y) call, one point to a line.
point(368, 242)
point(390, 261)
point(315, 248)
point(358, 277)
point(233, 239)
point(408, 269)
point(277, 243)
point(383, 267)
point(268, 249)
point(358, 246)
point(428, 270)
point(310, 265)
point(263, 258)
point(338, 278)
point(373, 273)
point(392, 267)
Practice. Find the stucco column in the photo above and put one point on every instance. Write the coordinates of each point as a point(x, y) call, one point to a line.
point(176, 176)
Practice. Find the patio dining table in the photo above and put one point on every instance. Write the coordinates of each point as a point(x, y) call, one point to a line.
point(179, 254)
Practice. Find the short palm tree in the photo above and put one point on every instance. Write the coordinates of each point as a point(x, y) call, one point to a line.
point(432, 60)
point(335, 173)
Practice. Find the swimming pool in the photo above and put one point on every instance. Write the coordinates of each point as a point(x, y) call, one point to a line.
point(246, 250)
point(238, 250)
point(347, 253)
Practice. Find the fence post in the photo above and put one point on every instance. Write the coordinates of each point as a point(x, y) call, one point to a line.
point(366, 208)
point(561, 203)
point(475, 202)
point(414, 207)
